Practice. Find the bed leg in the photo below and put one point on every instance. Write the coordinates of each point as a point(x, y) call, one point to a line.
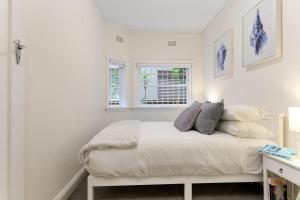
point(187, 191)
point(90, 189)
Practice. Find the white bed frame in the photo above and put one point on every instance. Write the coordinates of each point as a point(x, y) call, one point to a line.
point(274, 122)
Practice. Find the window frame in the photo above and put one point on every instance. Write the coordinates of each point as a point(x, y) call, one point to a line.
point(122, 67)
point(139, 64)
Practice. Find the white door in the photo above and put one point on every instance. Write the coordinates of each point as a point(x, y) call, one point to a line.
point(4, 99)
point(17, 101)
point(12, 102)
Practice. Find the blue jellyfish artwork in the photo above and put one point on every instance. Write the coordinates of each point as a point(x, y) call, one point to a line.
point(221, 57)
point(258, 37)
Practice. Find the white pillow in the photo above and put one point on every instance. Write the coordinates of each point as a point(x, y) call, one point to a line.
point(245, 129)
point(244, 113)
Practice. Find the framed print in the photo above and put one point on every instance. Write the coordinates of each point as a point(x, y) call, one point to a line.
point(223, 54)
point(262, 33)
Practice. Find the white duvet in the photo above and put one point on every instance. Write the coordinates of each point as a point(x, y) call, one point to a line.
point(164, 151)
point(119, 135)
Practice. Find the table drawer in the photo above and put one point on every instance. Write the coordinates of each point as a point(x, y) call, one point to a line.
point(284, 171)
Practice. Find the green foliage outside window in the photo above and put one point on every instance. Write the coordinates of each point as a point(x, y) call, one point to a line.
point(179, 74)
point(115, 84)
point(146, 80)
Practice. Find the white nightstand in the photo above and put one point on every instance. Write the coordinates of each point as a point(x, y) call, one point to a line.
point(286, 169)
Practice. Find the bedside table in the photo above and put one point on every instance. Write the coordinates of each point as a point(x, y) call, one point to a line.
point(285, 169)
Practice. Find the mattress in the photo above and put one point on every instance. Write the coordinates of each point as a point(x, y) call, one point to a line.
point(165, 151)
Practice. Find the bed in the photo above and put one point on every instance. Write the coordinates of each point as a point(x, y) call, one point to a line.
point(166, 156)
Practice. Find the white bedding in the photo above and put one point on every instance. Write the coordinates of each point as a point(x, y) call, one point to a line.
point(164, 151)
point(119, 135)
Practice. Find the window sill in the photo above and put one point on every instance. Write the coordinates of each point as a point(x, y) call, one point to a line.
point(160, 107)
point(124, 109)
point(117, 108)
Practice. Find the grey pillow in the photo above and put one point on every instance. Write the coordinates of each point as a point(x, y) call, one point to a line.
point(186, 119)
point(209, 117)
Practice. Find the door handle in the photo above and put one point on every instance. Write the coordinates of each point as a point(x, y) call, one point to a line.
point(18, 49)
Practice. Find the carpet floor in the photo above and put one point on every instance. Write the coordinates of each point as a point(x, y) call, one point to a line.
point(235, 191)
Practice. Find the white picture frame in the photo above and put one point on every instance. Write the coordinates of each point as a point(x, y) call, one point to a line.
point(223, 55)
point(262, 33)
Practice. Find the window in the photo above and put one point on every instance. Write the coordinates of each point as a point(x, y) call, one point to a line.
point(116, 77)
point(164, 84)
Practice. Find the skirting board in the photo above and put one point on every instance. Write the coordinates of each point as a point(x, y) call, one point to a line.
point(65, 193)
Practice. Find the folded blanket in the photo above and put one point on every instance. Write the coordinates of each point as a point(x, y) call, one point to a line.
point(119, 135)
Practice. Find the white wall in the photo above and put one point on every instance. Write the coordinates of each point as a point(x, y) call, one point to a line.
point(4, 171)
point(273, 86)
point(118, 51)
point(68, 44)
point(65, 90)
point(153, 46)
point(147, 46)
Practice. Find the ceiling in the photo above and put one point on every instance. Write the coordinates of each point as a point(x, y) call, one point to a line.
point(162, 15)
